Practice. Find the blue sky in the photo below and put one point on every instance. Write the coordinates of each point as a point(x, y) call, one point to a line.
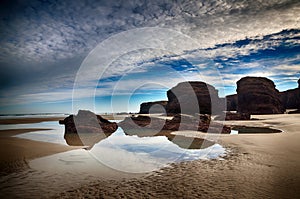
point(45, 45)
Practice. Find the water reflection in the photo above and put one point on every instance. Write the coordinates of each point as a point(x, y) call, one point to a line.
point(118, 151)
point(253, 130)
point(88, 139)
point(136, 154)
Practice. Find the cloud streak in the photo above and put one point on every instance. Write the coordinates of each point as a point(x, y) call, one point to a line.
point(42, 44)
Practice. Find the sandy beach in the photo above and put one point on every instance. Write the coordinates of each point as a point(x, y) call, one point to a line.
point(16, 152)
point(256, 166)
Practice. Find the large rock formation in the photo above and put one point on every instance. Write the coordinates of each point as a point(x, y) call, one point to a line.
point(193, 97)
point(153, 107)
point(291, 98)
point(154, 126)
point(257, 95)
point(144, 126)
point(86, 128)
point(232, 102)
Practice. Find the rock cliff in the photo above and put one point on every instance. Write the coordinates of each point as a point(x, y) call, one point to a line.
point(258, 95)
point(193, 97)
point(153, 107)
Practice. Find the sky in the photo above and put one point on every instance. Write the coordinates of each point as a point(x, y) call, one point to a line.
point(109, 56)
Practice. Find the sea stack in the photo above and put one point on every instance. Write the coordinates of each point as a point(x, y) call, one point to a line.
point(86, 129)
point(258, 95)
point(193, 97)
point(88, 122)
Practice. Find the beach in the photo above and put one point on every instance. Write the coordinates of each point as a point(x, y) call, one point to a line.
point(256, 166)
point(16, 152)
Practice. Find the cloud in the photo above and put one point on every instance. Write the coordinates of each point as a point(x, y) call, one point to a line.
point(42, 44)
point(52, 31)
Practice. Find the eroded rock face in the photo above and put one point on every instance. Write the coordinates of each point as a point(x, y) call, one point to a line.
point(142, 124)
point(291, 98)
point(86, 128)
point(88, 119)
point(154, 107)
point(257, 95)
point(232, 102)
point(193, 97)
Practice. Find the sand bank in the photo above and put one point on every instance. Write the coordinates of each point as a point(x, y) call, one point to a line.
point(16, 152)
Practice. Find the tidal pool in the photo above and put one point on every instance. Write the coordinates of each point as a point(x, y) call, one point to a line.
point(125, 153)
point(253, 130)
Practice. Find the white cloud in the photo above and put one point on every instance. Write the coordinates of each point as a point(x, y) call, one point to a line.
point(67, 30)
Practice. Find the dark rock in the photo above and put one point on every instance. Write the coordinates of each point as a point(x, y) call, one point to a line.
point(193, 97)
point(132, 125)
point(144, 126)
point(154, 126)
point(234, 116)
point(89, 136)
point(232, 102)
point(257, 95)
point(86, 128)
point(291, 98)
point(154, 107)
point(88, 119)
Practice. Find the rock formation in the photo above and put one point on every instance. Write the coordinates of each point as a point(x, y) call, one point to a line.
point(291, 98)
point(144, 126)
point(154, 126)
point(232, 102)
point(257, 95)
point(153, 107)
point(193, 97)
point(86, 128)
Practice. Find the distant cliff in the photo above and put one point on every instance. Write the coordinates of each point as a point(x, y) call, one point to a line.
point(156, 107)
point(291, 98)
point(255, 95)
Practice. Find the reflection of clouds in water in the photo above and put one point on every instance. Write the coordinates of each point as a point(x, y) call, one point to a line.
point(136, 160)
point(135, 154)
point(120, 152)
point(54, 135)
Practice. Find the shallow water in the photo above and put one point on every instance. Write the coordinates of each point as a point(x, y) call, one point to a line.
point(120, 152)
point(253, 130)
point(117, 156)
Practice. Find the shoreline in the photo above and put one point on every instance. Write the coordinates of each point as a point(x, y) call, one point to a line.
point(16, 152)
point(28, 120)
point(258, 166)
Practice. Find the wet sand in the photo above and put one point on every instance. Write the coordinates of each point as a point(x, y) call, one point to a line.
point(257, 166)
point(28, 120)
point(16, 152)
